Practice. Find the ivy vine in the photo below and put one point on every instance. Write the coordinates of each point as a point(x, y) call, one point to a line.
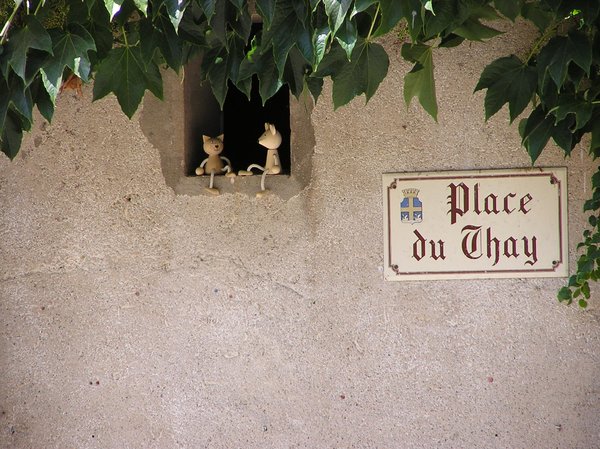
point(49, 45)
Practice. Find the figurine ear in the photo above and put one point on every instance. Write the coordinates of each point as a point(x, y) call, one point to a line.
point(221, 137)
point(266, 126)
point(272, 128)
point(205, 138)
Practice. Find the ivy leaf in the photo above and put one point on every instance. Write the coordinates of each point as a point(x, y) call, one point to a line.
point(363, 74)
point(333, 62)
point(168, 42)
point(538, 14)
point(266, 9)
point(315, 87)
point(563, 136)
point(535, 131)
point(595, 140)
point(99, 28)
point(263, 65)
point(12, 134)
point(556, 56)
point(361, 5)
point(4, 99)
point(347, 36)
point(564, 294)
point(507, 80)
point(125, 73)
point(286, 31)
point(391, 13)
point(218, 77)
point(336, 10)
point(70, 50)
point(570, 104)
point(32, 35)
point(509, 8)
point(419, 82)
point(20, 97)
point(42, 99)
point(175, 10)
point(114, 6)
point(474, 30)
point(295, 69)
point(320, 39)
point(208, 6)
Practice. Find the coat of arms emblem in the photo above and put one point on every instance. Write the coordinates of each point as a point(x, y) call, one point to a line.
point(411, 208)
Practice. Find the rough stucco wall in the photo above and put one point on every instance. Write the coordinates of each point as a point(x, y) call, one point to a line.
point(134, 318)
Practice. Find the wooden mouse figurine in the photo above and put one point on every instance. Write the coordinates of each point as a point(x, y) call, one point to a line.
point(213, 164)
point(271, 140)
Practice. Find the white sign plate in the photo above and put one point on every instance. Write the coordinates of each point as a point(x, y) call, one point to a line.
point(475, 224)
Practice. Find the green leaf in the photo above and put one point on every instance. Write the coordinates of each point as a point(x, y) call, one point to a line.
point(347, 36)
point(570, 104)
point(42, 99)
point(563, 136)
point(391, 13)
point(125, 73)
point(583, 303)
point(32, 35)
point(114, 6)
point(98, 27)
point(557, 54)
point(474, 30)
point(168, 42)
point(20, 97)
point(333, 62)
point(142, 5)
point(507, 80)
point(286, 31)
point(509, 8)
point(452, 40)
point(536, 132)
point(363, 74)
point(336, 10)
point(361, 5)
point(266, 9)
point(595, 140)
point(320, 40)
point(419, 82)
point(12, 134)
point(263, 65)
point(218, 76)
point(538, 14)
point(295, 70)
point(564, 294)
point(70, 50)
point(4, 100)
point(315, 86)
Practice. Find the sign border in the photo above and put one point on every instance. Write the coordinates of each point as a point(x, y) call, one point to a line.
point(480, 174)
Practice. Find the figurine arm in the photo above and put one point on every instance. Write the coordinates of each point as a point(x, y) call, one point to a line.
point(200, 169)
point(276, 169)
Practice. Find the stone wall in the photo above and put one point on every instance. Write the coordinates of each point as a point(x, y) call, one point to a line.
point(134, 317)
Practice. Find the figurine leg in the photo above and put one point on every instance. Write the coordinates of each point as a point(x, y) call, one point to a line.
point(210, 187)
point(248, 172)
point(263, 191)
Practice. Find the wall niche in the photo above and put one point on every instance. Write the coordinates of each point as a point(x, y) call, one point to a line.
point(175, 127)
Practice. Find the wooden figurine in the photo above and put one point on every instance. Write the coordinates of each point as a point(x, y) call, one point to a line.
point(271, 140)
point(213, 164)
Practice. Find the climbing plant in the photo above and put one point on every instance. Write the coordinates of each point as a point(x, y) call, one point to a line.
point(122, 45)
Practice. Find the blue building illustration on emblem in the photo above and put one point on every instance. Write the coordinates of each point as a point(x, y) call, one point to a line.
point(411, 207)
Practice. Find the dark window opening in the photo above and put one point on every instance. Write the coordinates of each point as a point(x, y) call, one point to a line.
point(242, 122)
